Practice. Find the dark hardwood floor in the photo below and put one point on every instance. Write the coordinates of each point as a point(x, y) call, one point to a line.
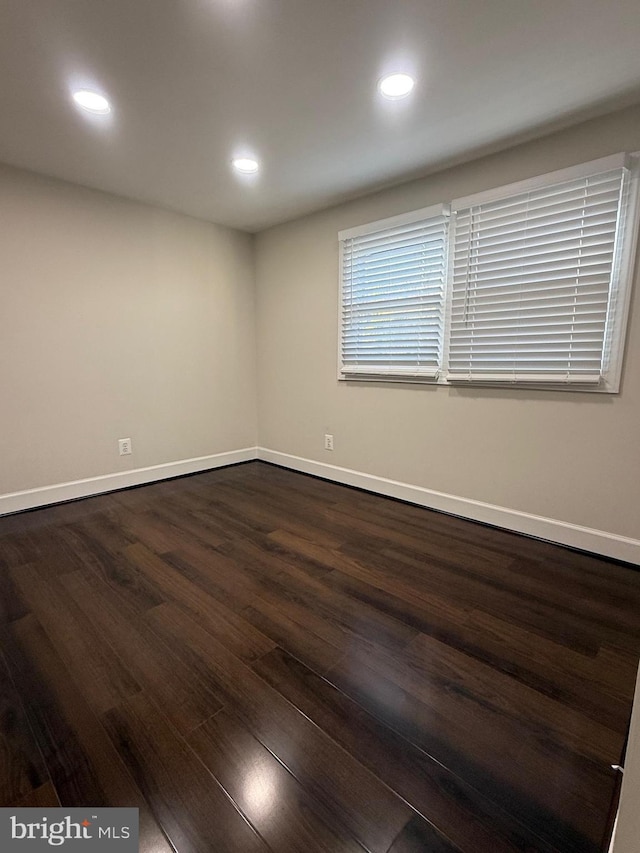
point(263, 661)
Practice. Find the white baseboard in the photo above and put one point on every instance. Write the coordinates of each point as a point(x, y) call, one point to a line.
point(562, 532)
point(32, 498)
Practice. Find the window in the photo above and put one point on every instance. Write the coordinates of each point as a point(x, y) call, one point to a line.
point(536, 279)
point(392, 296)
point(530, 283)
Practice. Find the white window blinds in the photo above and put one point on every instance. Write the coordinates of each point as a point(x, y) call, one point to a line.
point(392, 296)
point(533, 282)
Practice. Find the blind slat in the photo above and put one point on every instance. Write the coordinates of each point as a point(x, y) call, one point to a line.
point(393, 299)
point(531, 283)
point(523, 288)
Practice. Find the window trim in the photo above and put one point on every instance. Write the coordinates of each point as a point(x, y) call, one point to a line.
point(625, 262)
point(409, 218)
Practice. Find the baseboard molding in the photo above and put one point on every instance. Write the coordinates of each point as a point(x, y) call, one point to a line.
point(562, 532)
point(32, 498)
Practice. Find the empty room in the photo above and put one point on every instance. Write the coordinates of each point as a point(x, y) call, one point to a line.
point(319, 426)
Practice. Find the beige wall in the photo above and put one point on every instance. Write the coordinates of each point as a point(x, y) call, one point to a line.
point(574, 457)
point(117, 320)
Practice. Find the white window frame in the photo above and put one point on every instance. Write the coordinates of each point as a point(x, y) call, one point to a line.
point(622, 278)
point(425, 213)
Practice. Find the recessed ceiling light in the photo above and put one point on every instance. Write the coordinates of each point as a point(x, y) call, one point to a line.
point(395, 86)
point(246, 165)
point(92, 102)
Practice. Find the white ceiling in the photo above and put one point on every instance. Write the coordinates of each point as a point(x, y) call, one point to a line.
point(195, 82)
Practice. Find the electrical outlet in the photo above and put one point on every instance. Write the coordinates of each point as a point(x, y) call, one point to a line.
point(328, 442)
point(124, 446)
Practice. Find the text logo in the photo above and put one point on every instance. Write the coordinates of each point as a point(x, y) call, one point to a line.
point(103, 830)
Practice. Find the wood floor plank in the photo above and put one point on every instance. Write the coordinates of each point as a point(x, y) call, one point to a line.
point(54, 552)
point(202, 527)
point(361, 560)
point(327, 558)
point(550, 619)
point(44, 797)
point(476, 555)
point(297, 638)
point(272, 593)
point(105, 680)
point(108, 565)
point(420, 837)
point(81, 761)
point(247, 578)
point(278, 806)
point(22, 768)
point(559, 796)
point(432, 790)
point(267, 519)
point(438, 616)
point(343, 616)
point(548, 667)
point(433, 663)
point(236, 633)
point(215, 573)
point(16, 548)
point(192, 808)
point(410, 577)
point(184, 690)
point(361, 801)
point(546, 559)
point(159, 535)
point(12, 604)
